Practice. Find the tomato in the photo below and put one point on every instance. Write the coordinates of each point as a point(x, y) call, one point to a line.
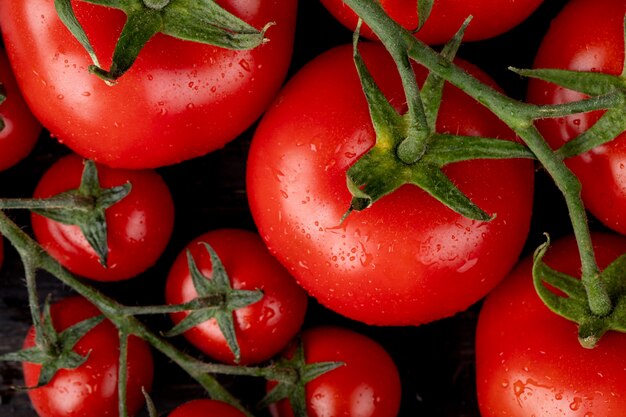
point(264, 328)
point(139, 226)
point(206, 408)
point(180, 100)
point(367, 384)
point(91, 389)
point(529, 361)
point(489, 17)
point(408, 259)
point(595, 42)
point(21, 129)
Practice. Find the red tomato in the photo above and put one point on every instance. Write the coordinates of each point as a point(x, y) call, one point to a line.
point(263, 328)
point(407, 259)
point(595, 42)
point(139, 226)
point(206, 408)
point(528, 359)
point(91, 389)
point(367, 385)
point(180, 100)
point(490, 17)
point(21, 129)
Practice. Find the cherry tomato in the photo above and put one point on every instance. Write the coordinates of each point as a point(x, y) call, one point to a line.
point(367, 384)
point(595, 42)
point(21, 129)
point(206, 408)
point(529, 361)
point(264, 328)
point(91, 389)
point(180, 100)
point(489, 17)
point(408, 259)
point(139, 226)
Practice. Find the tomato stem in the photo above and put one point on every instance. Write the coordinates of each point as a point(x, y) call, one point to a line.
point(512, 113)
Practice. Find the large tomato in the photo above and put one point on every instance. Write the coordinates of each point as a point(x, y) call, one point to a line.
point(91, 389)
point(367, 384)
point(489, 17)
point(529, 361)
point(21, 129)
point(138, 227)
point(179, 100)
point(262, 329)
point(594, 31)
point(407, 259)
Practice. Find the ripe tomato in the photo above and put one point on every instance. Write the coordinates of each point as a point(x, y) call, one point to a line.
point(206, 408)
point(407, 259)
point(528, 359)
point(367, 385)
point(595, 42)
point(490, 17)
point(21, 129)
point(180, 100)
point(263, 328)
point(91, 389)
point(139, 226)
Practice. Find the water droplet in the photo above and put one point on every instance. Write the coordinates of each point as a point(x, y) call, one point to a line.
point(575, 405)
point(245, 65)
point(505, 384)
point(213, 89)
point(86, 93)
point(190, 106)
point(284, 194)
point(577, 122)
point(350, 154)
point(60, 96)
point(150, 77)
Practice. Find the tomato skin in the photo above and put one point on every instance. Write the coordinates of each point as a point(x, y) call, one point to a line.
point(528, 359)
point(206, 408)
point(139, 226)
point(408, 259)
point(489, 17)
point(264, 328)
point(368, 384)
point(594, 30)
point(180, 100)
point(91, 389)
point(21, 129)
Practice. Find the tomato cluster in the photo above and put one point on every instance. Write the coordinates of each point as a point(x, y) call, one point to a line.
point(238, 187)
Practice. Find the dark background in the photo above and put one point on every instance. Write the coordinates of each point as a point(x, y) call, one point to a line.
point(435, 360)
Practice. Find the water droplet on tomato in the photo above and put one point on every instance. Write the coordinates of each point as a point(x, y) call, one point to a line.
point(60, 96)
point(86, 93)
point(190, 106)
point(245, 65)
point(150, 77)
point(575, 405)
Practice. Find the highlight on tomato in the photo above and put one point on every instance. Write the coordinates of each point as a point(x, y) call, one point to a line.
point(138, 226)
point(19, 130)
point(489, 17)
point(91, 389)
point(595, 42)
point(529, 360)
point(262, 328)
point(407, 259)
point(179, 100)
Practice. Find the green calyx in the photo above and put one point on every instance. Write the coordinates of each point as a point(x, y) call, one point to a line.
point(200, 21)
point(575, 304)
point(55, 352)
point(85, 207)
point(409, 151)
point(292, 375)
point(216, 300)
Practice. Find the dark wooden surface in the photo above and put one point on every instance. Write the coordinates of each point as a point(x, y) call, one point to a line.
point(435, 360)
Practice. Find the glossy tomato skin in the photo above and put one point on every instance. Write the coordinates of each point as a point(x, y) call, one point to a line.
point(408, 259)
point(206, 408)
point(367, 384)
point(264, 328)
point(91, 389)
point(180, 100)
point(528, 359)
point(139, 226)
point(489, 17)
point(595, 42)
point(21, 129)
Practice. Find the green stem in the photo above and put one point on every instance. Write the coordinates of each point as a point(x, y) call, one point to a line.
point(111, 309)
point(56, 202)
point(122, 374)
point(508, 110)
